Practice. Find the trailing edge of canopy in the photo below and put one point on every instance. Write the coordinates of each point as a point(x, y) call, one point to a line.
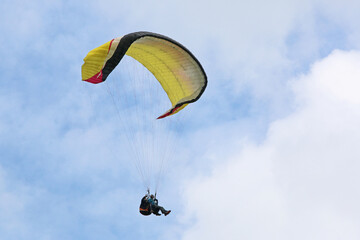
point(175, 67)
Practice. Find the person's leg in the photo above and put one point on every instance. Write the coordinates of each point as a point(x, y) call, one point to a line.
point(163, 211)
point(155, 210)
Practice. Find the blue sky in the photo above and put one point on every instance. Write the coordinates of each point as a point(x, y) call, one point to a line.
point(270, 151)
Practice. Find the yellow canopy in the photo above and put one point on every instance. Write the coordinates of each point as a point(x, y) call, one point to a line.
point(177, 70)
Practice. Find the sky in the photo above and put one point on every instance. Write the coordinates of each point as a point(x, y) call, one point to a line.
point(270, 151)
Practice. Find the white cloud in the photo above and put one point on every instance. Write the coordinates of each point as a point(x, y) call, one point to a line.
point(340, 84)
point(302, 182)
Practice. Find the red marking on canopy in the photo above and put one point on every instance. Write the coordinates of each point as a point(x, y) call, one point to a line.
point(110, 45)
point(97, 78)
point(169, 112)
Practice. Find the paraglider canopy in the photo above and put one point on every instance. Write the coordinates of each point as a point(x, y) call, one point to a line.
point(174, 66)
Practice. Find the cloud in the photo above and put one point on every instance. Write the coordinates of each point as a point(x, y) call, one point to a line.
point(301, 182)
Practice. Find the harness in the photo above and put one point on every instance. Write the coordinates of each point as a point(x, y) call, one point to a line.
point(144, 208)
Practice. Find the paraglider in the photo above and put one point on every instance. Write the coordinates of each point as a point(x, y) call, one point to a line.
point(179, 73)
point(150, 205)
